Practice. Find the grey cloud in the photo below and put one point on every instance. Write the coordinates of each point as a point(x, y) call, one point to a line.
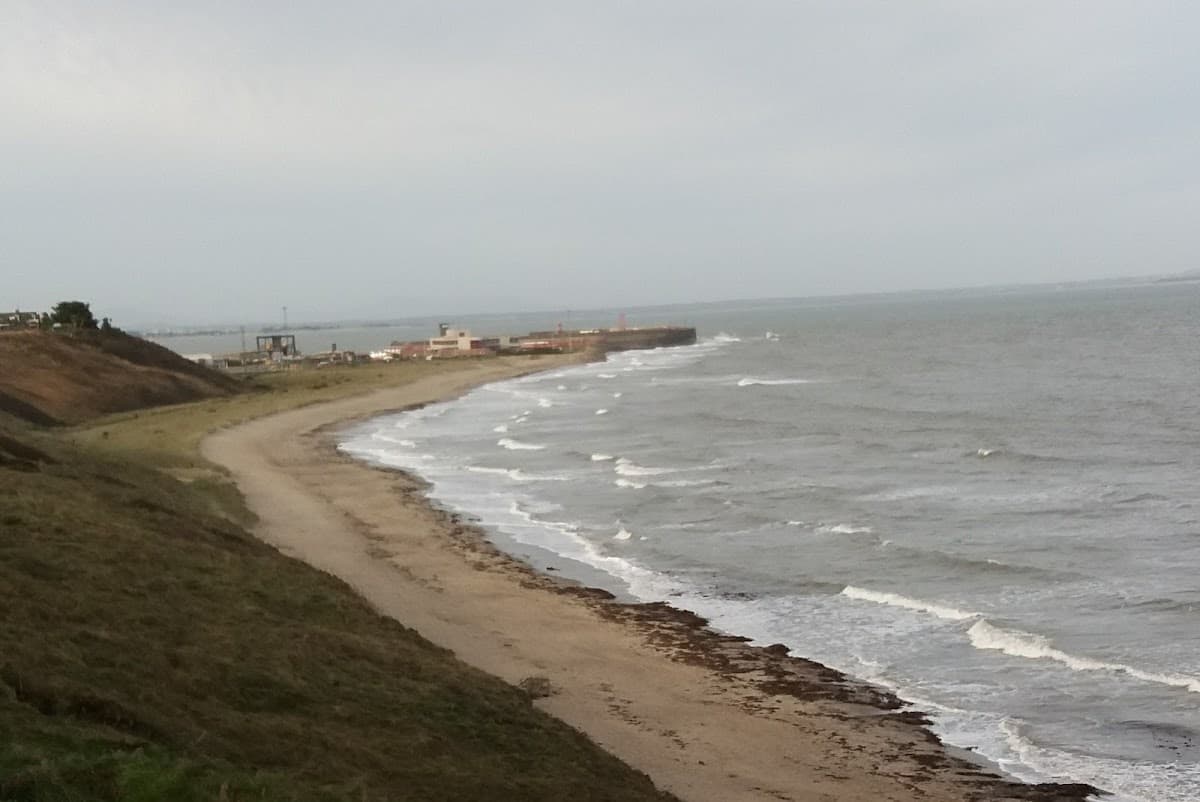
point(384, 158)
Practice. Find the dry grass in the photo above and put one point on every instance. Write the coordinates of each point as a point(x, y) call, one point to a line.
point(151, 648)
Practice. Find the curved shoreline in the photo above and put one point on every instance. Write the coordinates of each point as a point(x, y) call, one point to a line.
point(705, 714)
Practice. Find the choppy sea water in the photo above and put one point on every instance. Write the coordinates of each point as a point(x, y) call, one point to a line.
point(989, 503)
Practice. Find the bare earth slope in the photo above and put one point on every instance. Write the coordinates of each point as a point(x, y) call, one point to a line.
point(707, 717)
point(49, 377)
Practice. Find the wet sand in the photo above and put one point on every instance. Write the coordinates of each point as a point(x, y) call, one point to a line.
point(707, 716)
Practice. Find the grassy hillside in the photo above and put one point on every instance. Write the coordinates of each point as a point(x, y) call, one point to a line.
point(152, 649)
point(55, 377)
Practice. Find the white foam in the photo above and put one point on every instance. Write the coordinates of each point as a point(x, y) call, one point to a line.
point(518, 475)
point(562, 387)
point(623, 534)
point(522, 419)
point(382, 437)
point(498, 471)
point(617, 395)
point(601, 457)
point(627, 467)
point(986, 452)
point(772, 336)
point(1016, 643)
point(629, 484)
point(752, 382)
point(1126, 781)
point(842, 529)
point(545, 403)
point(517, 445)
point(606, 375)
point(896, 600)
point(602, 412)
point(723, 338)
point(501, 429)
point(684, 483)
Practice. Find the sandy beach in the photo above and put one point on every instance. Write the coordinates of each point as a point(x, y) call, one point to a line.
point(705, 715)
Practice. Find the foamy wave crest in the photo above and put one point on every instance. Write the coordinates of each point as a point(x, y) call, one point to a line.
point(627, 467)
point(630, 485)
point(607, 375)
point(685, 483)
point(1016, 643)
point(517, 475)
point(501, 429)
point(722, 337)
point(896, 600)
point(545, 403)
point(842, 529)
point(623, 534)
point(602, 412)
point(601, 457)
point(986, 452)
point(517, 445)
point(752, 382)
point(617, 395)
point(562, 387)
point(1128, 781)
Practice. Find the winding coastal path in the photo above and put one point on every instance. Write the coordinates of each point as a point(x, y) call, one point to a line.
point(707, 717)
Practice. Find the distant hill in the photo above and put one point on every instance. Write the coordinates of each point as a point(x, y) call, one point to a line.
point(1192, 275)
point(55, 378)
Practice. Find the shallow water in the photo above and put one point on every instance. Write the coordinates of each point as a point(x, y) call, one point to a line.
point(986, 501)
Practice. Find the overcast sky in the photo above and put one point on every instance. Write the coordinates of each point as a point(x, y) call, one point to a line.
point(365, 159)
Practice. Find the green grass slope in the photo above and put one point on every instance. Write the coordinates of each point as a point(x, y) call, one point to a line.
point(153, 650)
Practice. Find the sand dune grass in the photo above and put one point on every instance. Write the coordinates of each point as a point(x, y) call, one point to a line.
point(151, 648)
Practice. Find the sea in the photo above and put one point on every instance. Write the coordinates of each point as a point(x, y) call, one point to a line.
point(987, 501)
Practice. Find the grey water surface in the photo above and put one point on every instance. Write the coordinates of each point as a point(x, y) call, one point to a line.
point(987, 501)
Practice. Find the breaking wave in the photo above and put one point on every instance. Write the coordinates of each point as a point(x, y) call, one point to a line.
point(841, 529)
point(627, 467)
point(1016, 643)
point(517, 445)
point(752, 382)
point(896, 600)
point(518, 475)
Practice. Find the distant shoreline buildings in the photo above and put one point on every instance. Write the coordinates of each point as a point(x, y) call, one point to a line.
point(17, 320)
point(278, 350)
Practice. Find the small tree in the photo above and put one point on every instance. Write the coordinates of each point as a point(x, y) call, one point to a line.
point(73, 315)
